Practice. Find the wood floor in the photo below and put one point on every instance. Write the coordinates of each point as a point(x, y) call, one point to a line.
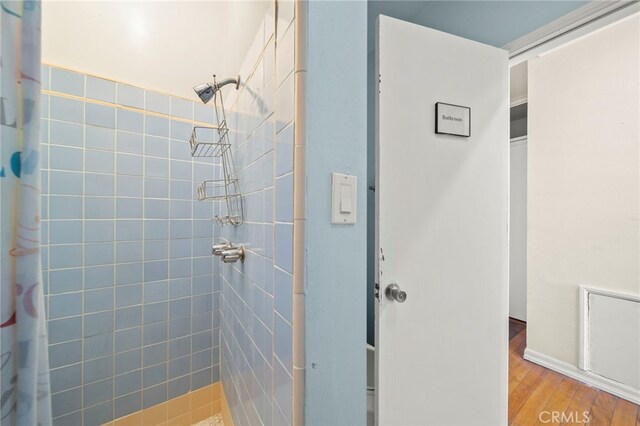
point(538, 396)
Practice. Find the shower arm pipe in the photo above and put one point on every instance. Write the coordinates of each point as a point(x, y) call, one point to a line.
point(218, 85)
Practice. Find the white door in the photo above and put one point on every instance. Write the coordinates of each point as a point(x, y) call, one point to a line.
point(518, 230)
point(441, 230)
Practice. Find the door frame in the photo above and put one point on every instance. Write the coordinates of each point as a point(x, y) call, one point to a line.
point(575, 24)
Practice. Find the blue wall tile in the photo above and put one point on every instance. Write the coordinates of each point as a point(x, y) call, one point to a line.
point(65, 207)
point(128, 382)
point(98, 254)
point(180, 131)
point(99, 161)
point(283, 239)
point(156, 102)
point(154, 375)
point(130, 96)
point(65, 280)
point(99, 184)
point(100, 138)
point(97, 392)
point(65, 305)
point(128, 164)
point(129, 142)
point(101, 89)
point(118, 210)
point(65, 109)
point(283, 294)
point(156, 126)
point(154, 354)
point(98, 208)
point(128, 404)
point(45, 77)
point(128, 295)
point(154, 333)
point(97, 369)
point(65, 183)
point(130, 121)
point(98, 300)
point(129, 230)
point(98, 277)
point(98, 415)
point(67, 256)
point(127, 362)
point(156, 146)
point(128, 208)
point(128, 317)
point(129, 186)
point(98, 231)
point(100, 115)
point(181, 108)
point(154, 395)
point(65, 231)
point(69, 134)
point(64, 158)
point(98, 346)
point(68, 82)
point(66, 353)
point(128, 251)
point(66, 402)
point(94, 324)
point(284, 198)
point(128, 339)
point(156, 188)
point(63, 330)
point(66, 378)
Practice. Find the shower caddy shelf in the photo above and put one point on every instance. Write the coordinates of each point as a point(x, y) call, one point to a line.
point(214, 142)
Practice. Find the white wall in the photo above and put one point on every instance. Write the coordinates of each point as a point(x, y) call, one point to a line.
point(169, 46)
point(583, 181)
point(518, 230)
point(518, 83)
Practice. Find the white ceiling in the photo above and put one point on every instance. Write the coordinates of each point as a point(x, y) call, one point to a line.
point(169, 46)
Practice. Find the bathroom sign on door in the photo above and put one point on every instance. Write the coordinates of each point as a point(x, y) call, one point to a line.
point(453, 120)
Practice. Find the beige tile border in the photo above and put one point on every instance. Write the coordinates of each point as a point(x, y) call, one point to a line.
point(299, 208)
point(184, 410)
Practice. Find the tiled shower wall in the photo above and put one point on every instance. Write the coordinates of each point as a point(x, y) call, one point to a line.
point(132, 308)
point(256, 301)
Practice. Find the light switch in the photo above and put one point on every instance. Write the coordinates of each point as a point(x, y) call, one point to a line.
point(343, 198)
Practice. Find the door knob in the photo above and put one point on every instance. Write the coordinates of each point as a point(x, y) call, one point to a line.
point(393, 292)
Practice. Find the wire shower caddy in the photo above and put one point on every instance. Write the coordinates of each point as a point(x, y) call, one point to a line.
point(214, 142)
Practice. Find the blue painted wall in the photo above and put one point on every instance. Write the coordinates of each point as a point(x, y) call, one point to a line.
point(335, 254)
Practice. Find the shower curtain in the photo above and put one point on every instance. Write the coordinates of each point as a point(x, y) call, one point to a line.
point(24, 370)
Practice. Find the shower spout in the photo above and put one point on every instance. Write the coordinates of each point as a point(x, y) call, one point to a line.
point(206, 91)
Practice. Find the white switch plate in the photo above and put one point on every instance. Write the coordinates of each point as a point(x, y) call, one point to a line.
point(343, 199)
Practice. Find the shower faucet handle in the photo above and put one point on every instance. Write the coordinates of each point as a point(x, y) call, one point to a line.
point(393, 292)
point(218, 248)
point(233, 254)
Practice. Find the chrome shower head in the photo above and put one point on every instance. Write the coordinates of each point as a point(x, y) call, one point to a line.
point(206, 91)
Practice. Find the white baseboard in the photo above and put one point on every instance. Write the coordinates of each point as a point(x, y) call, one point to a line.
point(607, 385)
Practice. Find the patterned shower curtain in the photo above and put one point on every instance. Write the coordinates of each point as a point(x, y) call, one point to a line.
point(24, 370)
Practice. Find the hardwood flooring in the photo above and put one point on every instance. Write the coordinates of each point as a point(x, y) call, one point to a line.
point(538, 396)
